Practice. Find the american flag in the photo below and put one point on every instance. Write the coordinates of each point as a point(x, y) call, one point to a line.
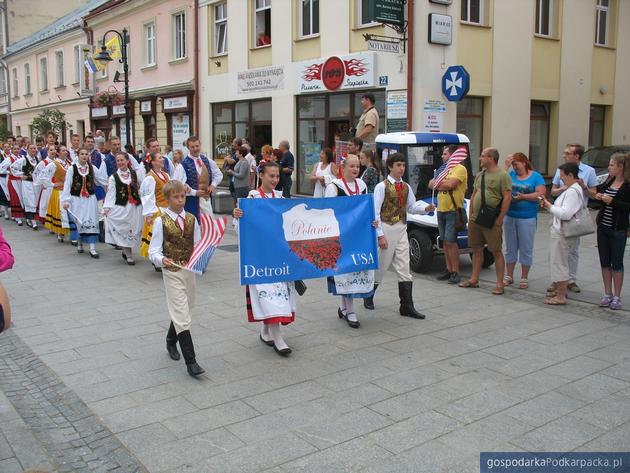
point(212, 232)
point(456, 158)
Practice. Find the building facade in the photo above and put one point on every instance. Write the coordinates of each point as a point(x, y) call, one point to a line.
point(162, 59)
point(542, 73)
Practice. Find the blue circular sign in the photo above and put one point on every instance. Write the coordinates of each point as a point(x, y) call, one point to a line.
point(455, 83)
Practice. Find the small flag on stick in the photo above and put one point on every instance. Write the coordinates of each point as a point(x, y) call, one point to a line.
point(212, 231)
point(456, 158)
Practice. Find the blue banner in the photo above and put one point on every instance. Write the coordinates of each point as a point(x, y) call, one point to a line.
point(291, 239)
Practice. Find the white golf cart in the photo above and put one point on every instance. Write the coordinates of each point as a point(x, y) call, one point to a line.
point(423, 151)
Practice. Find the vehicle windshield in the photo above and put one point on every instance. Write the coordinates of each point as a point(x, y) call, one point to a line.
point(598, 158)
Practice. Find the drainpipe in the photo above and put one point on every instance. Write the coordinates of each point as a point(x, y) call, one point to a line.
point(410, 34)
point(196, 78)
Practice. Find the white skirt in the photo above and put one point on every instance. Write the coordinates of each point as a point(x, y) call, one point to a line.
point(29, 199)
point(44, 197)
point(84, 213)
point(123, 225)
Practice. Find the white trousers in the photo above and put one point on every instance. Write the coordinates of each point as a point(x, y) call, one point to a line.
point(396, 254)
point(179, 287)
point(574, 259)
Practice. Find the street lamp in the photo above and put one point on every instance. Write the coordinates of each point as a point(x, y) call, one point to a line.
point(105, 56)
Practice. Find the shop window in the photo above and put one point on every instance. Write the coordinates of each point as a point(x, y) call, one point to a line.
point(3, 83)
point(43, 74)
point(596, 126)
point(470, 123)
point(539, 135)
point(309, 13)
point(220, 29)
point(149, 44)
point(59, 68)
point(27, 79)
point(602, 22)
point(262, 23)
point(472, 11)
point(179, 35)
point(544, 13)
point(363, 13)
point(14, 80)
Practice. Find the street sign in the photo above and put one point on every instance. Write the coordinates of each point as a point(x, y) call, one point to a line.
point(455, 83)
point(383, 46)
point(391, 12)
point(383, 81)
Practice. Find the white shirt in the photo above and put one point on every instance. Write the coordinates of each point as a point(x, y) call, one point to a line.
point(565, 207)
point(180, 174)
point(413, 207)
point(586, 173)
point(155, 247)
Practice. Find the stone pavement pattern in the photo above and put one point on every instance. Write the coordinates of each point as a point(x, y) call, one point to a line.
point(481, 373)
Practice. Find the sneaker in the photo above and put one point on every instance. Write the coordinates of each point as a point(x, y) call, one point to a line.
point(574, 288)
point(615, 304)
point(444, 276)
point(454, 279)
point(606, 300)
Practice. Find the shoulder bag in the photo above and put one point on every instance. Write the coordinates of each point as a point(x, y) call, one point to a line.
point(461, 218)
point(487, 216)
point(580, 224)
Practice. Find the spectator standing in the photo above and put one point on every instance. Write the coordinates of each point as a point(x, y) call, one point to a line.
point(6, 263)
point(587, 180)
point(367, 128)
point(371, 176)
point(497, 194)
point(323, 172)
point(612, 227)
point(561, 247)
point(287, 163)
point(451, 193)
point(240, 173)
point(251, 160)
point(519, 227)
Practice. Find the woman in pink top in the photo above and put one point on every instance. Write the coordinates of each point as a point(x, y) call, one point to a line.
point(6, 262)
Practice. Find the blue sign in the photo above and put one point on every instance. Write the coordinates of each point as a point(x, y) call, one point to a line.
point(455, 83)
point(383, 81)
point(291, 239)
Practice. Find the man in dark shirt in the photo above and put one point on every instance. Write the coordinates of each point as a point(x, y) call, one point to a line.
point(287, 163)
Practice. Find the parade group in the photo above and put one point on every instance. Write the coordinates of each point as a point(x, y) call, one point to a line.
point(153, 201)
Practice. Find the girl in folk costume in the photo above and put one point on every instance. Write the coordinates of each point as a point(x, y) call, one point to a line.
point(79, 200)
point(5, 162)
point(274, 303)
point(357, 285)
point(152, 198)
point(122, 209)
point(54, 177)
point(15, 187)
point(23, 168)
point(43, 186)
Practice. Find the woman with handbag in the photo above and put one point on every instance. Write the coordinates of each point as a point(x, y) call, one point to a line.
point(612, 227)
point(564, 236)
point(519, 227)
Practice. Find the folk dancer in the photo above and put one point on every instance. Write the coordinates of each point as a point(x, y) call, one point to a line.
point(356, 285)
point(151, 193)
point(272, 304)
point(122, 209)
point(175, 233)
point(79, 199)
point(43, 187)
point(54, 176)
point(15, 186)
point(393, 200)
point(5, 162)
point(195, 171)
point(23, 169)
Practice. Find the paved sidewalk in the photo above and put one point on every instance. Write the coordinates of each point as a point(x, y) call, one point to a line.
point(481, 373)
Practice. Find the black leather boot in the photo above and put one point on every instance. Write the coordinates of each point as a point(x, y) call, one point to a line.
point(368, 302)
point(406, 301)
point(188, 350)
point(171, 343)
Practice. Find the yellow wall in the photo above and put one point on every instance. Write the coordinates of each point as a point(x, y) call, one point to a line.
point(357, 41)
point(475, 54)
point(546, 69)
point(603, 75)
point(306, 49)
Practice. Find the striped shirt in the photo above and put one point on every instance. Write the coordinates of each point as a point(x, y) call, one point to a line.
point(607, 214)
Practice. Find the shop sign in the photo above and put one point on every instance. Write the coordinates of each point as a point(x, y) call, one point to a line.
point(118, 110)
point(338, 72)
point(180, 129)
point(440, 29)
point(223, 149)
point(387, 11)
point(396, 112)
point(434, 114)
point(99, 112)
point(145, 106)
point(383, 46)
point(176, 102)
point(264, 78)
point(311, 152)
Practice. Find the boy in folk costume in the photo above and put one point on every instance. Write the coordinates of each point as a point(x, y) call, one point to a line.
point(175, 234)
point(54, 176)
point(23, 168)
point(393, 200)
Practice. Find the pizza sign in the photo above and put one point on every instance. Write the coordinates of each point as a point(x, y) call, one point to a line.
point(337, 72)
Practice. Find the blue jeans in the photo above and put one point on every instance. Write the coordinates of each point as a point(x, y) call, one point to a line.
point(611, 245)
point(518, 234)
point(446, 226)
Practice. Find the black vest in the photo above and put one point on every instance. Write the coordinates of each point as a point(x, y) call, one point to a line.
point(28, 169)
point(77, 181)
point(123, 190)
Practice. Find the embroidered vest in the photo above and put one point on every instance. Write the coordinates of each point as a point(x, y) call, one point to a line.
point(123, 190)
point(391, 211)
point(110, 164)
point(178, 245)
point(192, 178)
point(77, 181)
point(95, 158)
point(28, 169)
point(160, 200)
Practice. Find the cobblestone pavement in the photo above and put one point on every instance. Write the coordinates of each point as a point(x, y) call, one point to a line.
point(481, 373)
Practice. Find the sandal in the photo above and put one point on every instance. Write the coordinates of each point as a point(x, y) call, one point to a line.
point(554, 301)
point(508, 280)
point(524, 284)
point(470, 284)
point(498, 291)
